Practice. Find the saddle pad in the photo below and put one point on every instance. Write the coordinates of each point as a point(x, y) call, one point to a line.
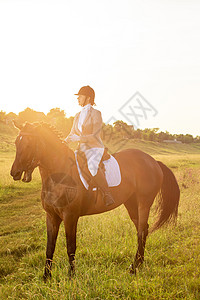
point(112, 171)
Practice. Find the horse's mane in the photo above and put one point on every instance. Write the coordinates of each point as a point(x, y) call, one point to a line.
point(52, 130)
point(45, 130)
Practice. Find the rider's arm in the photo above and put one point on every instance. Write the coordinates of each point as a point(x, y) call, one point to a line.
point(72, 135)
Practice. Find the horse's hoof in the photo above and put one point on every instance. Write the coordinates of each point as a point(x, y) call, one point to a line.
point(46, 277)
point(132, 269)
point(71, 273)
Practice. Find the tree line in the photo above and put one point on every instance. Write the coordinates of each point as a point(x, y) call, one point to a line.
point(119, 129)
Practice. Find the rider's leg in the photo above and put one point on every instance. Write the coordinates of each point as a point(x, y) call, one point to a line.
point(101, 182)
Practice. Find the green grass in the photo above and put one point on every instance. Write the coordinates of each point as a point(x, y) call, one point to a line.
point(106, 243)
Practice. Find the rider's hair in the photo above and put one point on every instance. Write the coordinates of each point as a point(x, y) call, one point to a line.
point(92, 101)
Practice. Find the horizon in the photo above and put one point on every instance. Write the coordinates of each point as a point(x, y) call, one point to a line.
point(151, 128)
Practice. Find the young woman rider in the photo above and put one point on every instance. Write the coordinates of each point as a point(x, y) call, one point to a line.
point(86, 130)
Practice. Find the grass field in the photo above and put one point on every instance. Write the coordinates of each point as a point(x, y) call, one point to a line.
point(106, 243)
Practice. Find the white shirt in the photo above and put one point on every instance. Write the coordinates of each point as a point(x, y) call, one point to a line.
point(83, 115)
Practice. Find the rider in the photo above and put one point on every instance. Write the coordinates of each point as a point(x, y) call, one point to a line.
point(86, 130)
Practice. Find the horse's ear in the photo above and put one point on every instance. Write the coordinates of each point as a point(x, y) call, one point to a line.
point(17, 124)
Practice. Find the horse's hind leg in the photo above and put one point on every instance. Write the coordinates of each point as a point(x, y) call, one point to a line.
point(144, 205)
point(132, 208)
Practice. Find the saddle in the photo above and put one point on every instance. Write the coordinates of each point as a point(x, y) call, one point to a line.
point(82, 162)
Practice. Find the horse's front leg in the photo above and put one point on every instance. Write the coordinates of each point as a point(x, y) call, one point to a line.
point(53, 224)
point(70, 222)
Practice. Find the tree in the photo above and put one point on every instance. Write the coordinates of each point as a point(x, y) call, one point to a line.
point(2, 116)
point(31, 116)
point(137, 134)
point(107, 133)
point(57, 118)
point(55, 113)
point(197, 139)
point(188, 138)
point(10, 117)
point(123, 130)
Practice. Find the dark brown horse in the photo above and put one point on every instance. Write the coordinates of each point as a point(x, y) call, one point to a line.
point(64, 197)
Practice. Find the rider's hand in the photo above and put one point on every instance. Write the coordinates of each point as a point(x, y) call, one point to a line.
point(75, 138)
point(72, 138)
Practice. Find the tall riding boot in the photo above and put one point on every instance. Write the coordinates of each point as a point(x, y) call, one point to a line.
point(101, 182)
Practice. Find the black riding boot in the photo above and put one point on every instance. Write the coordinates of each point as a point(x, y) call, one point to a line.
point(101, 182)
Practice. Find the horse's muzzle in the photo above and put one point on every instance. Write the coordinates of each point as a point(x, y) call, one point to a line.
point(16, 175)
point(27, 177)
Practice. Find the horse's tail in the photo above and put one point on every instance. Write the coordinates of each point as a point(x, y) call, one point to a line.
point(168, 200)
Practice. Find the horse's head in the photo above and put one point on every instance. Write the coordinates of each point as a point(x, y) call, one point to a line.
point(26, 159)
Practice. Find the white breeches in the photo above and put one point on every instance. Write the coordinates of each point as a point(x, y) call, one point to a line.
point(94, 156)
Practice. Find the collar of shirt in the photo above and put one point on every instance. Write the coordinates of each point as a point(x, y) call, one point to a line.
point(86, 107)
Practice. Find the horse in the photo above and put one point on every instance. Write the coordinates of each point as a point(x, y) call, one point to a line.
point(64, 198)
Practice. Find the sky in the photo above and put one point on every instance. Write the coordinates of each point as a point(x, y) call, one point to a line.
point(141, 57)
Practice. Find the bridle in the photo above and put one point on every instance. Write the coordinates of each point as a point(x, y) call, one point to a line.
point(70, 190)
point(34, 162)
